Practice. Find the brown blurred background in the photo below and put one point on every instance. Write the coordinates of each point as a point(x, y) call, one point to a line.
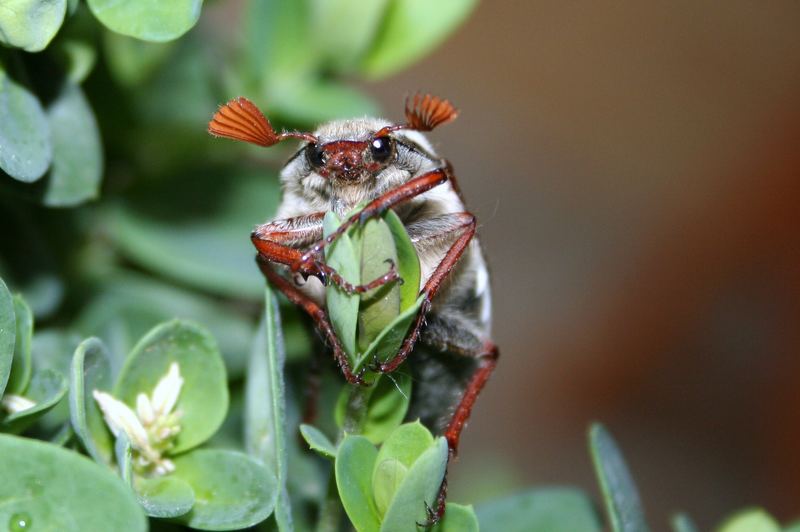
point(635, 169)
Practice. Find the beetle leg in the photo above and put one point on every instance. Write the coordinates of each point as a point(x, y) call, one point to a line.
point(376, 207)
point(467, 225)
point(316, 312)
point(487, 355)
point(279, 240)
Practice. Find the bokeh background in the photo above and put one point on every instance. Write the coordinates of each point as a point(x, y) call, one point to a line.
point(635, 168)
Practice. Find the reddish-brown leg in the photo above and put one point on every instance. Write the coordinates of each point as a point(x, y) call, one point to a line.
point(487, 361)
point(429, 291)
point(315, 311)
point(278, 242)
point(376, 207)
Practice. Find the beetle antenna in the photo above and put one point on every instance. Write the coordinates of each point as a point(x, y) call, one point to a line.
point(240, 119)
point(424, 112)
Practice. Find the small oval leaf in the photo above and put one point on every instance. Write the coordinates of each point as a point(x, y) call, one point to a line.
point(355, 460)
point(380, 306)
point(420, 487)
point(25, 147)
point(77, 150)
point(342, 307)
point(231, 490)
point(149, 20)
point(388, 342)
point(164, 496)
point(343, 29)
point(752, 520)
point(21, 367)
point(410, 29)
point(31, 24)
point(203, 399)
point(49, 476)
point(317, 441)
point(460, 518)
point(8, 335)
point(46, 389)
point(91, 370)
point(407, 260)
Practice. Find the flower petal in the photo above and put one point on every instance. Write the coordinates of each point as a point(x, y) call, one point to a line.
point(16, 403)
point(144, 409)
point(166, 392)
point(119, 417)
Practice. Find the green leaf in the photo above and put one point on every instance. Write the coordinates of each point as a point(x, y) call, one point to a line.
point(344, 29)
point(124, 456)
point(342, 307)
point(407, 261)
point(231, 490)
point(46, 389)
point(53, 349)
point(541, 510)
point(279, 44)
point(309, 101)
point(164, 496)
point(355, 460)
point(406, 443)
point(91, 370)
point(129, 305)
point(460, 518)
point(683, 523)
point(317, 441)
point(149, 20)
point(132, 61)
point(387, 477)
point(30, 24)
point(62, 490)
point(388, 342)
point(8, 334)
point(205, 244)
point(25, 147)
point(204, 397)
point(21, 367)
point(623, 506)
point(265, 405)
point(77, 151)
point(381, 306)
point(387, 399)
point(78, 58)
point(420, 486)
point(411, 29)
point(752, 520)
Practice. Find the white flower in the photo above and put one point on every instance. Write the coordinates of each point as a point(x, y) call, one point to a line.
point(166, 392)
point(153, 427)
point(16, 403)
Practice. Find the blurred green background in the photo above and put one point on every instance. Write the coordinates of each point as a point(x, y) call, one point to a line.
point(634, 169)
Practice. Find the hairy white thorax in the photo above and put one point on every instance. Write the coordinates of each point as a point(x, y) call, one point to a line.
point(306, 192)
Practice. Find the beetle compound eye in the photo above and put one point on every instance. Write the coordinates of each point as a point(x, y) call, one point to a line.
point(315, 155)
point(381, 149)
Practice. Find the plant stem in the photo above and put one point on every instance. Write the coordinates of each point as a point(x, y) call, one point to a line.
point(355, 412)
point(330, 510)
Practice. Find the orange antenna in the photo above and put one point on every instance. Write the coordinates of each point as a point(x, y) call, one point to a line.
point(240, 119)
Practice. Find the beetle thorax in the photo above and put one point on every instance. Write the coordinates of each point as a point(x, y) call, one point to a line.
point(350, 164)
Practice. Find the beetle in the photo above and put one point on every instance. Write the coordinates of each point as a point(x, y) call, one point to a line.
point(345, 163)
